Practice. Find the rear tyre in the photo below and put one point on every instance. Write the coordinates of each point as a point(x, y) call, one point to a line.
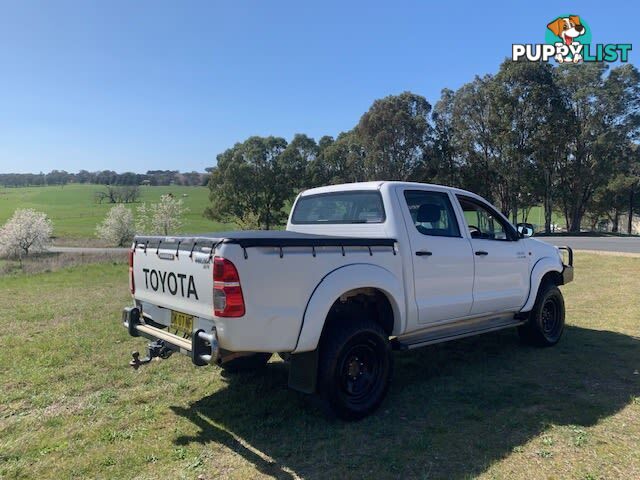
point(355, 367)
point(546, 320)
point(248, 363)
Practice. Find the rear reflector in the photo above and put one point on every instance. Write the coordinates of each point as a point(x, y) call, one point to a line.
point(227, 293)
point(132, 284)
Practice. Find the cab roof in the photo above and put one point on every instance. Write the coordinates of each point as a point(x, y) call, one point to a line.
point(377, 185)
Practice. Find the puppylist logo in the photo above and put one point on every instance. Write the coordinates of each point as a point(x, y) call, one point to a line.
point(568, 40)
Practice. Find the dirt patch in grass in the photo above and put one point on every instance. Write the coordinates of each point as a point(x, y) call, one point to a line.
point(51, 262)
point(63, 406)
point(81, 242)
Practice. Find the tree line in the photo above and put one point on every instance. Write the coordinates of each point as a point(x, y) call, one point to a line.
point(564, 137)
point(104, 177)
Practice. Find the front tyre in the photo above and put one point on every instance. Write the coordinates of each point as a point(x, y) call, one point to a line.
point(355, 367)
point(546, 320)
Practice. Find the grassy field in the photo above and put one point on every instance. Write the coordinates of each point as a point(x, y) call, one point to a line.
point(75, 214)
point(486, 407)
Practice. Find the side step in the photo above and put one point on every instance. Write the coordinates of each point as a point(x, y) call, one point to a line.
point(454, 331)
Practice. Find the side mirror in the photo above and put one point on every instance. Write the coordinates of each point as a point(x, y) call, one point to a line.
point(525, 230)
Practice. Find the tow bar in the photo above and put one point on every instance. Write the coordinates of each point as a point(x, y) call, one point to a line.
point(202, 347)
point(157, 349)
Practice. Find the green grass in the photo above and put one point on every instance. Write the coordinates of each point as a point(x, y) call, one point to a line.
point(75, 214)
point(486, 407)
point(536, 217)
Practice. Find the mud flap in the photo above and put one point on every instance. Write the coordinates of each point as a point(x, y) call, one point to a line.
point(303, 371)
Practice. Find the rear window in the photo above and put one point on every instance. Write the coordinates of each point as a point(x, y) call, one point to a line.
point(339, 207)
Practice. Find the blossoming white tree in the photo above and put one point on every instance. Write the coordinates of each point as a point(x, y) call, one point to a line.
point(117, 227)
point(26, 231)
point(161, 218)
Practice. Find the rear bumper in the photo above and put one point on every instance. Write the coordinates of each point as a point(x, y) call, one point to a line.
point(202, 347)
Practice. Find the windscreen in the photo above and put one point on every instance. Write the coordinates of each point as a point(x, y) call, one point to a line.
point(339, 207)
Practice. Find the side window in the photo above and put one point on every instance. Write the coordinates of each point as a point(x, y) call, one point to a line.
point(482, 222)
point(432, 213)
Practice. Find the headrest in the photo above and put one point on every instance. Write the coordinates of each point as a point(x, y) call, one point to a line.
point(428, 212)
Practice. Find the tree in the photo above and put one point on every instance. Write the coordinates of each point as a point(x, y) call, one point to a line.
point(57, 177)
point(117, 228)
point(617, 196)
point(475, 135)
point(339, 161)
point(84, 176)
point(162, 218)
point(118, 194)
point(622, 89)
point(396, 135)
point(485, 134)
point(522, 104)
point(587, 165)
point(106, 177)
point(252, 181)
point(634, 187)
point(318, 170)
point(445, 164)
point(127, 178)
point(296, 158)
point(26, 231)
point(549, 146)
point(129, 193)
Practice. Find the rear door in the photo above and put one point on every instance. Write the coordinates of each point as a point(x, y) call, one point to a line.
point(501, 259)
point(442, 257)
point(177, 280)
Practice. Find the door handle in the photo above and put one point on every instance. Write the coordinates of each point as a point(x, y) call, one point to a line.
point(423, 253)
point(481, 253)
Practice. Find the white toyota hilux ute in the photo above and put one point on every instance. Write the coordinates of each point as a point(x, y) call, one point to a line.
point(362, 269)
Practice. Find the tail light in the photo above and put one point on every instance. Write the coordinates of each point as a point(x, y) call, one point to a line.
point(227, 293)
point(132, 284)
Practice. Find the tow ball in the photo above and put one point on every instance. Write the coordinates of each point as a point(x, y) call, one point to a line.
point(156, 349)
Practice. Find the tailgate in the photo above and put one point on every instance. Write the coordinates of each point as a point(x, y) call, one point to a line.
point(175, 279)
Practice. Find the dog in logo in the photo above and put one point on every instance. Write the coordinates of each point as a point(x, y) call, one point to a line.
point(568, 29)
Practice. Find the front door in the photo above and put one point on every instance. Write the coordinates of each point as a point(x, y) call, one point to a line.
point(501, 260)
point(442, 257)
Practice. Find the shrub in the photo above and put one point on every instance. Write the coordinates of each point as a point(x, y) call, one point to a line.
point(161, 218)
point(26, 231)
point(117, 227)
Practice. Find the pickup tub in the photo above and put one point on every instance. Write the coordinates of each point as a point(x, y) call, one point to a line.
point(278, 271)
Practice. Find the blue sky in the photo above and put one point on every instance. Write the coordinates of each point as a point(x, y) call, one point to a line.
point(169, 85)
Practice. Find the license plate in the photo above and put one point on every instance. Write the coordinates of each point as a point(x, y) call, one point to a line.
point(181, 322)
